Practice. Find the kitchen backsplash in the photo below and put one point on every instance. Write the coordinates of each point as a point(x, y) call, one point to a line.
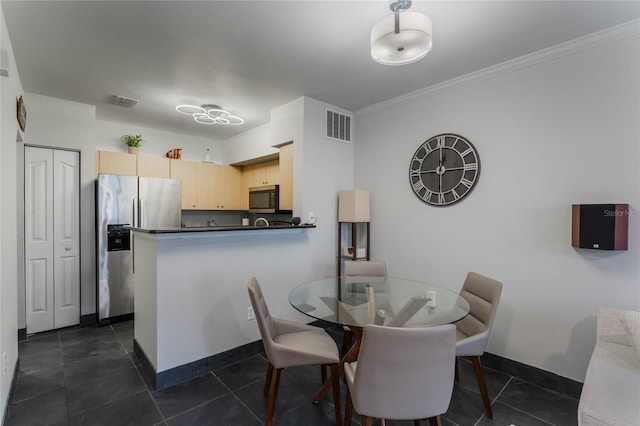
point(227, 218)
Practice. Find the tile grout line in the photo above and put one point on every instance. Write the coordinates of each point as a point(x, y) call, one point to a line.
point(502, 390)
point(146, 388)
point(514, 408)
point(236, 396)
point(494, 400)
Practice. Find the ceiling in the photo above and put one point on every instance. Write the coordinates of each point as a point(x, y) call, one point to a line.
point(251, 56)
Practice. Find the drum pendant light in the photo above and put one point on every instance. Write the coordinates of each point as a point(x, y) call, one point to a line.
point(401, 38)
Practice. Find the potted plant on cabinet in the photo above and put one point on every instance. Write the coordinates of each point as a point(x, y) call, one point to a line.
point(133, 142)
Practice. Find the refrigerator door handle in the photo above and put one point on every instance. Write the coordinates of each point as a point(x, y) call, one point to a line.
point(135, 213)
point(142, 217)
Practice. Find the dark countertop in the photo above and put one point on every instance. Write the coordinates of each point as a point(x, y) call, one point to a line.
point(217, 228)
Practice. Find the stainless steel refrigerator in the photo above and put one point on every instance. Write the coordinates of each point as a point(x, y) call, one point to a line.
point(149, 203)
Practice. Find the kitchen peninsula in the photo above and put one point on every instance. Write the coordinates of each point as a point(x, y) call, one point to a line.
point(191, 295)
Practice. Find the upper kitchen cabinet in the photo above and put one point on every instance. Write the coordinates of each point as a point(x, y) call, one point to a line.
point(116, 163)
point(187, 172)
point(218, 187)
point(157, 167)
point(267, 173)
point(286, 177)
point(208, 186)
point(230, 188)
point(207, 177)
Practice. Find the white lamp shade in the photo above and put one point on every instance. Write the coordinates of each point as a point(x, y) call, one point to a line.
point(353, 206)
point(411, 44)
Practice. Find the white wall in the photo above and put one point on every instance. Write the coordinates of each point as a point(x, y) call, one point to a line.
point(549, 134)
point(10, 90)
point(327, 167)
point(64, 124)
point(254, 143)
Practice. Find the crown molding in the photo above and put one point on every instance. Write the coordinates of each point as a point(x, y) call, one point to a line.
point(564, 49)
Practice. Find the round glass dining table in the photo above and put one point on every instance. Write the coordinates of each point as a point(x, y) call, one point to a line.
point(396, 302)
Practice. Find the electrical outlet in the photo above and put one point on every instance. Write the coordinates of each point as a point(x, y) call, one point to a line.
point(250, 314)
point(312, 217)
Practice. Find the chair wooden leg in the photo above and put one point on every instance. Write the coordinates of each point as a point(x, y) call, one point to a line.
point(273, 394)
point(367, 421)
point(348, 409)
point(417, 422)
point(267, 380)
point(435, 421)
point(457, 374)
point(346, 342)
point(352, 355)
point(335, 380)
point(323, 372)
point(477, 366)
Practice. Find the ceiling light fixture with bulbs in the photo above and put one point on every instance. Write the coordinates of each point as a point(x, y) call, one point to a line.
point(210, 114)
point(402, 38)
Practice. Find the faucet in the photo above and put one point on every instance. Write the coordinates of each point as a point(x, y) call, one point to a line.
point(261, 219)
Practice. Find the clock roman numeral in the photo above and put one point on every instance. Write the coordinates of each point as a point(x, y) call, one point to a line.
point(470, 166)
point(427, 194)
point(418, 186)
point(441, 198)
point(466, 152)
point(440, 142)
point(455, 195)
point(466, 182)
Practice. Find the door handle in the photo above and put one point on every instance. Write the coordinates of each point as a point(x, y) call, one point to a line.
point(135, 213)
point(67, 247)
point(142, 217)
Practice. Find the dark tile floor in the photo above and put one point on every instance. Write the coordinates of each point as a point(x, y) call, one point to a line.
point(90, 376)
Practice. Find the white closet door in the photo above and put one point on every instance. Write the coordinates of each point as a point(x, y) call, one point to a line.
point(52, 227)
point(66, 238)
point(38, 212)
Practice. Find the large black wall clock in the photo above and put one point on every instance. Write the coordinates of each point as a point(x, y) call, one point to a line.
point(444, 169)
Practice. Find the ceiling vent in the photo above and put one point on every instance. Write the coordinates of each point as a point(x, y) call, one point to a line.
point(124, 102)
point(339, 126)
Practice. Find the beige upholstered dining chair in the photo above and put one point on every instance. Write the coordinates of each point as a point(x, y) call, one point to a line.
point(402, 374)
point(472, 332)
point(290, 344)
point(360, 268)
point(365, 268)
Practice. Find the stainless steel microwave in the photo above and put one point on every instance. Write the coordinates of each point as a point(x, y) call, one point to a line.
point(264, 199)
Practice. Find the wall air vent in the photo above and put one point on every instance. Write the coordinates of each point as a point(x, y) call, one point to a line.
point(124, 102)
point(339, 126)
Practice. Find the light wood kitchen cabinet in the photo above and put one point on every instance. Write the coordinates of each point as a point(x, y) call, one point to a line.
point(158, 167)
point(230, 188)
point(116, 163)
point(267, 173)
point(286, 177)
point(187, 172)
point(206, 187)
point(219, 187)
